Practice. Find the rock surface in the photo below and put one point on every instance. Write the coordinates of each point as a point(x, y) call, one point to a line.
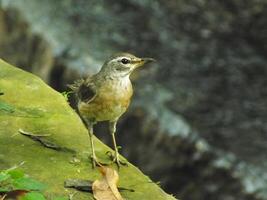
point(29, 104)
point(20, 46)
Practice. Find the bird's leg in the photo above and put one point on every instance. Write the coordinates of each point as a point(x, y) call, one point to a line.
point(115, 158)
point(93, 155)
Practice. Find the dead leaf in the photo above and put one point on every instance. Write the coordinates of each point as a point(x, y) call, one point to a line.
point(106, 188)
point(13, 195)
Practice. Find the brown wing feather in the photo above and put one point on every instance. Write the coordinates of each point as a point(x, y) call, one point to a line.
point(84, 89)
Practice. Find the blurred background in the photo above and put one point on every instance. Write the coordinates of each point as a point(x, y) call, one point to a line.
point(197, 123)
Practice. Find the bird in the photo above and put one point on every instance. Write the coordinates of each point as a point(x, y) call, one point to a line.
point(106, 95)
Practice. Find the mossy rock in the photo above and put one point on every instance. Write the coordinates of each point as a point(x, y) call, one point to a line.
point(29, 104)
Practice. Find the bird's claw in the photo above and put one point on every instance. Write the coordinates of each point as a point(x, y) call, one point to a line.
point(115, 159)
point(119, 162)
point(96, 162)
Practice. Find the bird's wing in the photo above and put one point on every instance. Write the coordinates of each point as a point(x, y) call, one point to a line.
point(84, 89)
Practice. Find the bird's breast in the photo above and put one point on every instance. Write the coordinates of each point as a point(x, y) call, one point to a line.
point(112, 100)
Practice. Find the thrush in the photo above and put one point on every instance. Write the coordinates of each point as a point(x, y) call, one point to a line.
point(105, 96)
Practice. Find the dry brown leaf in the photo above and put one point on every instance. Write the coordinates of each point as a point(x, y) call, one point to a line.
point(14, 194)
point(106, 188)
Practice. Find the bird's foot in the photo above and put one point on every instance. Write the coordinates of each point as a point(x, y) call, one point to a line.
point(96, 162)
point(116, 159)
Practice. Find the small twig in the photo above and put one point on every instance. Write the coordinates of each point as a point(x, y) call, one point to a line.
point(44, 142)
point(16, 166)
point(32, 135)
point(78, 184)
point(1, 93)
point(86, 185)
point(126, 189)
point(72, 195)
point(3, 197)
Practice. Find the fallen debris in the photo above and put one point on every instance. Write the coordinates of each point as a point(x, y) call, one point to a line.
point(45, 142)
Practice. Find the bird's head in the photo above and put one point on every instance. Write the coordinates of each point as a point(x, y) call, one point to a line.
point(123, 64)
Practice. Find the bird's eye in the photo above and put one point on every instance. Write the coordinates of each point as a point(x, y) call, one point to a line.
point(125, 61)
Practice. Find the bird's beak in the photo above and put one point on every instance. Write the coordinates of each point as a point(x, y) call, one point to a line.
point(143, 61)
point(147, 60)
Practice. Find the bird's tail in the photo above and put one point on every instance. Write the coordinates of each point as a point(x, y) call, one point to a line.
point(76, 85)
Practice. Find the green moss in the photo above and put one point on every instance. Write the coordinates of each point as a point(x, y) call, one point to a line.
point(29, 104)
